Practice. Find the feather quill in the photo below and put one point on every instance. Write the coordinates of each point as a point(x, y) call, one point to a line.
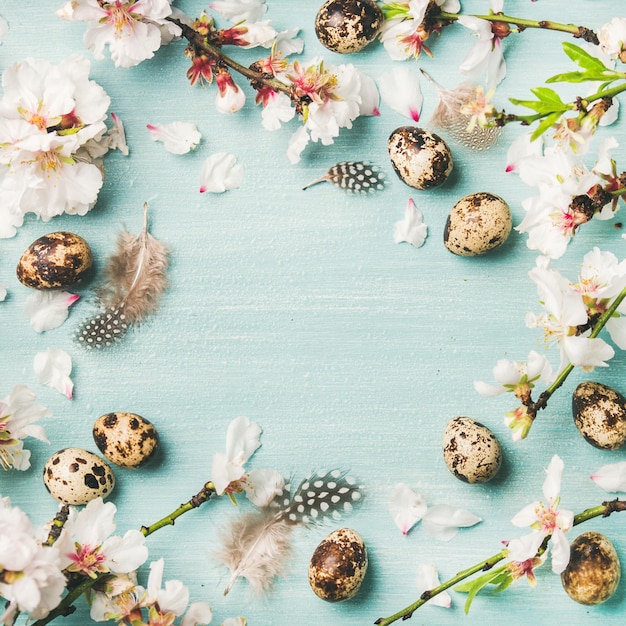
point(135, 279)
point(257, 544)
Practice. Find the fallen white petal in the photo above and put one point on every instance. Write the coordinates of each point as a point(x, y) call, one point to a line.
point(611, 477)
point(197, 614)
point(406, 507)
point(3, 293)
point(442, 521)
point(411, 229)
point(177, 137)
point(48, 309)
point(53, 368)
point(220, 172)
point(427, 578)
point(400, 89)
point(234, 621)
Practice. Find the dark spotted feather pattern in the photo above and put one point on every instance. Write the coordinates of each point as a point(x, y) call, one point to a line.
point(354, 177)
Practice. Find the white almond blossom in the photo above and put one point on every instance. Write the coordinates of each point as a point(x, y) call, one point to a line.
point(545, 520)
point(565, 311)
point(486, 56)
point(220, 172)
point(133, 29)
point(411, 229)
point(171, 601)
point(18, 414)
point(53, 368)
point(93, 548)
point(612, 38)
point(177, 137)
point(50, 115)
point(517, 377)
point(427, 578)
point(48, 309)
point(400, 89)
point(32, 581)
point(611, 477)
point(242, 440)
point(276, 110)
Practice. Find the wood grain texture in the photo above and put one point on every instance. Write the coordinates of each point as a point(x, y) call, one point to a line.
point(299, 310)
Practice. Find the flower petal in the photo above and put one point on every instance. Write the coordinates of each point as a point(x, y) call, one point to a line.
point(3, 293)
point(263, 485)
point(427, 578)
point(199, 614)
point(611, 477)
point(220, 172)
point(53, 368)
point(406, 507)
point(177, 137)
point(559, 551)
point(411, 229)
point(442, 521)
point(552, 484)
point(48, 309)
point(242, 439)
point(525, 547)
point(400, 89)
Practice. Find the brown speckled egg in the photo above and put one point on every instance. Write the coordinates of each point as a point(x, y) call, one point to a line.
point(76, 476)
point(126, 439)
point(338, 565)
point(600, 415)
point(593, 572)
point(419, 157)
point(347, 26)
point(55, 261)
point(477, 223)
point(471, 451)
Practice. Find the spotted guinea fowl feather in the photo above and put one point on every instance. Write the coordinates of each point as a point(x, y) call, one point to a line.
point(135, 278)
point(353, 176)
point(257, 544)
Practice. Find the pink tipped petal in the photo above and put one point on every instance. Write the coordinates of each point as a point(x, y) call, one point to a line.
point(406, 507)
point(53, 368)
point(400, 89)
point(177, 137)
point(611, 477)
point(48, 309)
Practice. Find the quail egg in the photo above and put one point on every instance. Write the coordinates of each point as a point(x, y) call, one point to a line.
point(54, 261)
point(600, 415)
point(76, 476)
point(593, 572)
point(125, 439)
point(347, 26)
point(338, 566)
point(477, 223)
point(421, 158)
point(470, 450)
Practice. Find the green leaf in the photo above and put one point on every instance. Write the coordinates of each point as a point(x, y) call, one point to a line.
point(545, 94)
point(582, 58)
point(545, 123)
point(581, 77)
point(548, 101)
point(394, 9)
point(498, 576)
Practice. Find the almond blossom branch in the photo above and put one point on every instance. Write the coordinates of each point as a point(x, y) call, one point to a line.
point(580, 32)
point(200, 498)
point(66, 607)
point(542, 401)
point(200, 43)
point(603, 510)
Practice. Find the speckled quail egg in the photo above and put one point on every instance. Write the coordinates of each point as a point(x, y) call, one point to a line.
point(600, 415)
point(76, 476)
point(54, 261)
point(477, 223)
point(126, 439)
point(347, 26)
point(470, 450)
point(338, 566)
point(593, 572)
point(421, 158)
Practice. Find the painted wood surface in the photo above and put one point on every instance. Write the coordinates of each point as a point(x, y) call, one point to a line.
point(298, 310)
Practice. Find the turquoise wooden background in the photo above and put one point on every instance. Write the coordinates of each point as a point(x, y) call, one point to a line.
point(299, 310)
